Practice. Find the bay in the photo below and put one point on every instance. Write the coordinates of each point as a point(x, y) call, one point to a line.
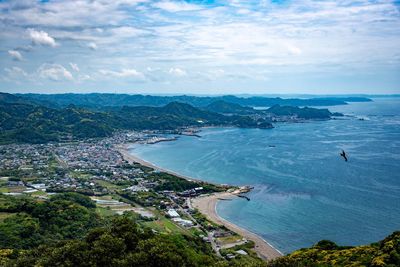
point(303, 190)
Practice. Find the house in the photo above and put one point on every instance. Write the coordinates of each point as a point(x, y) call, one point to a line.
point(173, 214)
point(241, 252)
point(15, 183)
point(183, 222)
point(230, 256)
point(222, 233)
point(39, 186)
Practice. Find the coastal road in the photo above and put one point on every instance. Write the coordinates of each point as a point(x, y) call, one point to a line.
point(214, 246)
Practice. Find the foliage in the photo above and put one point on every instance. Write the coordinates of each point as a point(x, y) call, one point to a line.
point(221, 106)
point(177, 184)
point(96, 100)
point(327, 253)
point(75, 197)
point(34, 223)
point(16, 204)
point(303, 113)
point(20, 231)
point(65, 231)
point(144, 198)
point(31, 123)
point(123, 243)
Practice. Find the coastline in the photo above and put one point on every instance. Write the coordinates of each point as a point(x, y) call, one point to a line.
point(124, 150)
point(207, 205)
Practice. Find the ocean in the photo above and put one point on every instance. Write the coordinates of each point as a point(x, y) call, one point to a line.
point(303, 190)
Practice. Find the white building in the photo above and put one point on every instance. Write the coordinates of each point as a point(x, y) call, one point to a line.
point(172, 213)
point(183, 222)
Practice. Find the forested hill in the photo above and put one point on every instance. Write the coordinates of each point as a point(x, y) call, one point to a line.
point(24, 121)
point(96, 100)
point(302, 113)
point(66, 230)
point(221, 106)
point(327, 253)
point(305, 113)
point(31, 120)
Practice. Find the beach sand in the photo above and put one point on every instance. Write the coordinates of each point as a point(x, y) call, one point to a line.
point(207, 206)
point(124, 150)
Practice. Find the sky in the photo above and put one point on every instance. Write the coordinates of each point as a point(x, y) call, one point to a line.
point(200, 47)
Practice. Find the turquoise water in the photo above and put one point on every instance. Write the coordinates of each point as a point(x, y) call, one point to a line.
point(304, 191)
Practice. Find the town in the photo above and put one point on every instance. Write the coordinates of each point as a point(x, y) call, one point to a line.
point(97, 168)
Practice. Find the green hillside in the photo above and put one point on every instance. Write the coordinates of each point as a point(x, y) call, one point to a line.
point(66, 230)
point(26, 122)
point(227, 107)
point(327, 253)
point(303, 113)
point(96, 100)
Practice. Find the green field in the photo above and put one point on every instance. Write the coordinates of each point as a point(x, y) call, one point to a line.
point(229, 239)
point(108, 185)
point(164, 225)
point(104, 212)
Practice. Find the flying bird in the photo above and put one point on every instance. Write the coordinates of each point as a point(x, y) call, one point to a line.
point(343, 154)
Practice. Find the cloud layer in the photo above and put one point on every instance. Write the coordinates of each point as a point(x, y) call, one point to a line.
point(221, 46)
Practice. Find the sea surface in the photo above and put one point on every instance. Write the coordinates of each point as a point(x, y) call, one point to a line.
point(303, 190)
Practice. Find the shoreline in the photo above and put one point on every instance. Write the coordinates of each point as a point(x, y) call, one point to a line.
point(124, 150)
point(207, 205)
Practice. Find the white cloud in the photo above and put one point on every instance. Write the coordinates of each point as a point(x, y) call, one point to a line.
point(243, 11)
point(41, 38)
point(177, 72)
point(15, 55)
point(15, 72)
point(152, 69)
point(171, 6)
point(124, 73)
point(54, 72)
point(74, 66)
point(126, 32)
point(294, 50)
point(84, 77)
point(92, 46)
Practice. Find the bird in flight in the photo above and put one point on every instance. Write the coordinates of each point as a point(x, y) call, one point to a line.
point(343, 154)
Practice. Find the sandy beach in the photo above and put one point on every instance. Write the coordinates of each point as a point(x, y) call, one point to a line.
point(207, 206)
point(124, 150)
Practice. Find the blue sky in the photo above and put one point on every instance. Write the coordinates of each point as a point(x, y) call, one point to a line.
point(200, 47)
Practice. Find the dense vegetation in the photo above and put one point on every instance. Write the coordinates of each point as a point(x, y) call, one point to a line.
point(306, 113)
point(66, 231)
point(101, 100)
point(177, 184)
point(327, 253)
point(303, 113)
point(64, 217)
point(175, 114)
point(23, 121)
point(38, 124)
point(32, 120)
point(221, 106)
